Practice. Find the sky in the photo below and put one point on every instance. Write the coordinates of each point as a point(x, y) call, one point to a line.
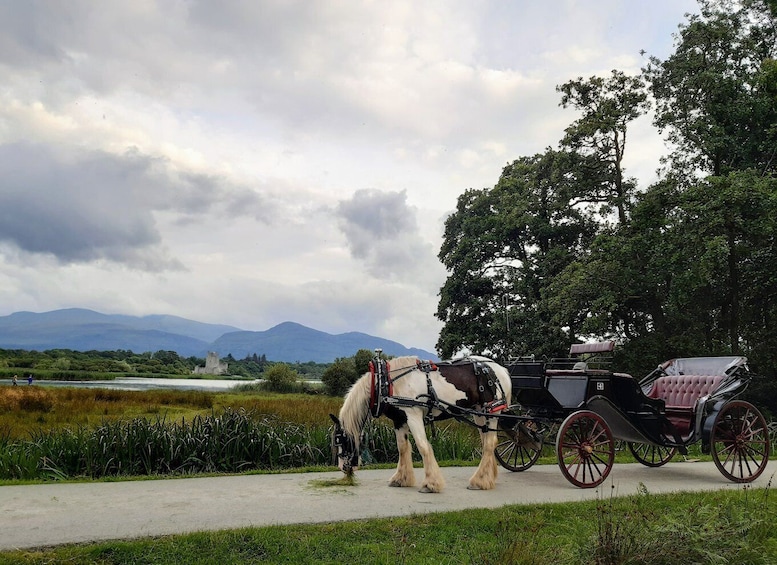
point(250, 162)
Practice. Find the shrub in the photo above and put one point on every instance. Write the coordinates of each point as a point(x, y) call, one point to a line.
point(281, 378)
point(339, 376)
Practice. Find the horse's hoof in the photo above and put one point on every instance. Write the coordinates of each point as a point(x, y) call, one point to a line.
point(426, 489)
point(395, 484)
point(473, 487)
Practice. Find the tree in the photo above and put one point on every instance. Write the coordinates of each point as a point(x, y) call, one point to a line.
point(715, 95)
point(608, 106)
point(362, 360)
point(728, 226)
point(501, 247)
point(339, 376)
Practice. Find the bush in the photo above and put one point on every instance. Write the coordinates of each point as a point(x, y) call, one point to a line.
point(281, 378)
point(339, 376)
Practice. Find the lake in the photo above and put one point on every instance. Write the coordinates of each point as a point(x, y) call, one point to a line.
point(144, 383)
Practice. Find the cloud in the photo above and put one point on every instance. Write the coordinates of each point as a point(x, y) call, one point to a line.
point(254, 161)
point(81, 206)
point(382, 232)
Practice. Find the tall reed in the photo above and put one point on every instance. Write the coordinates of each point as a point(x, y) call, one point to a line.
point(227, 442)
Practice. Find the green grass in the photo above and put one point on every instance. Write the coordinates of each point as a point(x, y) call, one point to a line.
point(717, 527)
point(103, 429)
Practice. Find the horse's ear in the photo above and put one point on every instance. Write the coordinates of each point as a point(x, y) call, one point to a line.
point(335, 420)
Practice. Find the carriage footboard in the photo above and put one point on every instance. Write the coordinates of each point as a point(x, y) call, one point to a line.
point(620, 426)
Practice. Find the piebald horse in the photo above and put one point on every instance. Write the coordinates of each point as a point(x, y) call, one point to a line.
point(473, 390)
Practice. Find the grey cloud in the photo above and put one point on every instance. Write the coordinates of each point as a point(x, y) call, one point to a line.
point(371, 217)
point(93, 205)
point(382, 231)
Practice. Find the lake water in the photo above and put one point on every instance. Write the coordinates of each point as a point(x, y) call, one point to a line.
point(143, 383)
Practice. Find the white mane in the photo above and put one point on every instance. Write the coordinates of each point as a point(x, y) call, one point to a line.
point(356, 408)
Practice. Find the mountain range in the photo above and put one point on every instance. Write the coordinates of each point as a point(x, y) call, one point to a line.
point(86, 330)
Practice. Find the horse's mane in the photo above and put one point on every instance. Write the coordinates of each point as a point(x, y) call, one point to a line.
point(356, 407)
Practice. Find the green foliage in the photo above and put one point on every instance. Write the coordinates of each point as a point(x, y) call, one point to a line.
point(339, 376)
point(281, 378)
point(345, 371)
point(501, 247)
point(229, 441)
point(67, 364)
point(566, 248)
point(713, 97)
point(233, 441)
point(362, 359)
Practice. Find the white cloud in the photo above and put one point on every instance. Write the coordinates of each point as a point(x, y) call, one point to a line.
point(251, 162)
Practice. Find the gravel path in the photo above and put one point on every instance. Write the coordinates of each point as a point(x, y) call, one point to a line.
point(52, 514)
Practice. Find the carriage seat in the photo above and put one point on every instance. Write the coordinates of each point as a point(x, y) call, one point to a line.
point(681, 393)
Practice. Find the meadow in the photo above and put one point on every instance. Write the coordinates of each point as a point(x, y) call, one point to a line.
point(66, 433)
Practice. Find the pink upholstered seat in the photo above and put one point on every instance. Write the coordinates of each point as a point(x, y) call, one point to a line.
point(680, 393)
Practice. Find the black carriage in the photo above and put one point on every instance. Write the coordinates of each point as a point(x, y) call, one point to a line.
point(682, 402)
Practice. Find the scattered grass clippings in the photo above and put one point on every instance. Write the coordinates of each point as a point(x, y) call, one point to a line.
point(347, 480)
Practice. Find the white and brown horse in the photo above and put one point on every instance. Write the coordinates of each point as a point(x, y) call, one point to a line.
point(475, 389)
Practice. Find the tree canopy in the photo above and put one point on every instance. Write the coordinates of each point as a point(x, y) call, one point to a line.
point(566, 247)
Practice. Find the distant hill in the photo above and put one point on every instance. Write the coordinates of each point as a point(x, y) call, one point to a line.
point(294, 342)
point(86, 330)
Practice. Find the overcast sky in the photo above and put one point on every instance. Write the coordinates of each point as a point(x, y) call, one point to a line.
point(253, 162)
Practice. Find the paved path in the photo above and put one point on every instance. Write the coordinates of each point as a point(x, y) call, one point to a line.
point(52, 514)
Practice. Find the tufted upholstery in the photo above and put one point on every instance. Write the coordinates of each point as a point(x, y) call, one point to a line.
point(682, 391)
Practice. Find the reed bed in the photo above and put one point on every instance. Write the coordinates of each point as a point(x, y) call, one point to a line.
point(66, 433)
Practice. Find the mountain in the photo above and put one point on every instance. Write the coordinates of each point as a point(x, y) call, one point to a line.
point(293, 342)
point(85, 330)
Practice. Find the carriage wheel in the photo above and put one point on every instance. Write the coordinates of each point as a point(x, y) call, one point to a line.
point(740, 442)
point(585, 449)
point(519, 447)
point(652, 455)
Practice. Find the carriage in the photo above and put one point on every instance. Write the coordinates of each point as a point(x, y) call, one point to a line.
point(517, 409)
point(681, 402)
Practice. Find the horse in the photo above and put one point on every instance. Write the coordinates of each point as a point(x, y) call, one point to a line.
point(414, 392)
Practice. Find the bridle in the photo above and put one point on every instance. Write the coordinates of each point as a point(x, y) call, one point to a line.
point(346, 449)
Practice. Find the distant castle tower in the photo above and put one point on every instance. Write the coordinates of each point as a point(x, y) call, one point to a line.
point(212, 366)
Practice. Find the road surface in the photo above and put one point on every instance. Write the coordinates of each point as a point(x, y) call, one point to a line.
point(53, 514)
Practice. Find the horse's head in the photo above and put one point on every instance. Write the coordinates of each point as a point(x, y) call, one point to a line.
point(344, 447)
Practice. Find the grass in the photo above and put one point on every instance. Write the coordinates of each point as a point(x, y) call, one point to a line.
point(721, 527)
point(56, 434)
point(717, 527)
point(29, 409)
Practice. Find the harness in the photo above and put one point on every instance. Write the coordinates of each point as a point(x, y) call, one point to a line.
point(382, 391)
point(382, 385)
point(346, 445)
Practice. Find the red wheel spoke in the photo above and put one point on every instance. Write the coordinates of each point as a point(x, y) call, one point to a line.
point(585, 449)
point(740, 442)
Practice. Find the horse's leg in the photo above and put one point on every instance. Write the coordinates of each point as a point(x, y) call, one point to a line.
point(433, 479)
point(404, 477)
point(485, 475)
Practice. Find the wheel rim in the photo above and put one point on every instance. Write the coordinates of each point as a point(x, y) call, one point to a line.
point(585, 449)
point(652, 455)
point(740, 442)
point(515, 450)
